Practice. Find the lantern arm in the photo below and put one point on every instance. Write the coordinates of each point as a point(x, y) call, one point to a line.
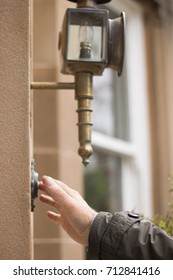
point(52, 85)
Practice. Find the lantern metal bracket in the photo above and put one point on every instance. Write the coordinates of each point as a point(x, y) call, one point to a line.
point(52, 85)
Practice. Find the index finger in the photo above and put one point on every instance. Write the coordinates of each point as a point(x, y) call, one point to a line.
point(54, 189)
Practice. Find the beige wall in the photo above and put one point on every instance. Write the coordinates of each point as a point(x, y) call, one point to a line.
point(55, 131)
point(15, 218)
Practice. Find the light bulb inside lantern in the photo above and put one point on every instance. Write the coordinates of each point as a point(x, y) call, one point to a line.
point(86, 34)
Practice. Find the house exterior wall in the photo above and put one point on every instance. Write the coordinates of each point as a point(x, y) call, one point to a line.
point(15, 218)
point(55, 131)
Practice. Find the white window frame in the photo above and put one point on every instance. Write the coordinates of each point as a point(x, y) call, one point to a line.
point(136, 161)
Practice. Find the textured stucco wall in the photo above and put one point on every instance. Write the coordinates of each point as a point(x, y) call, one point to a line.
point(15, 224)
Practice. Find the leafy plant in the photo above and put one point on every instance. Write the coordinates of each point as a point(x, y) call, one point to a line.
point(166, 222)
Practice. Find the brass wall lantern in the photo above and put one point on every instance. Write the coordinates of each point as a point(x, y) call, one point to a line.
point(89, 42)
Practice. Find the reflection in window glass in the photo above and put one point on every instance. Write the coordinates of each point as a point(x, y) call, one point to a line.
point(103, 182)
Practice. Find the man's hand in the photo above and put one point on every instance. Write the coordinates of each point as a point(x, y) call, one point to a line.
point(74, 214)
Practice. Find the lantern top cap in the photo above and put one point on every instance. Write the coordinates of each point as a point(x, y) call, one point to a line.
point(96, 1)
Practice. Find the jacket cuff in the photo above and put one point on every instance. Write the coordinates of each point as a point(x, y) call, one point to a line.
point(107, 231)
point(97, 230)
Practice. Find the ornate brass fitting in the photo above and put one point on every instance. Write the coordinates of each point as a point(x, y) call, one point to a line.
point(89, 43)
point(84, 95)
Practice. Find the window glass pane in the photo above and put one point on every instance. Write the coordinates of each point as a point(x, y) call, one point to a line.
point(103, 182)
point(110, 105)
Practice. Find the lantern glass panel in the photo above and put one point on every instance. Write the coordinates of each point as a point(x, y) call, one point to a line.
point(87, 35)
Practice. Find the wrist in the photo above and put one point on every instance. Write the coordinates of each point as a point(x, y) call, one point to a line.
point(89, 227)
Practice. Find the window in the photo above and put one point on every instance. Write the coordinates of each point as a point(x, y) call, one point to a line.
point(118, 176)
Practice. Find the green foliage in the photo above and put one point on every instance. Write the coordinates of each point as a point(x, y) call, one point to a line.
point(166, 222)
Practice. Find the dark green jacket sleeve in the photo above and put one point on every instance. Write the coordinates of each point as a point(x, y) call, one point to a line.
point(126, 236)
